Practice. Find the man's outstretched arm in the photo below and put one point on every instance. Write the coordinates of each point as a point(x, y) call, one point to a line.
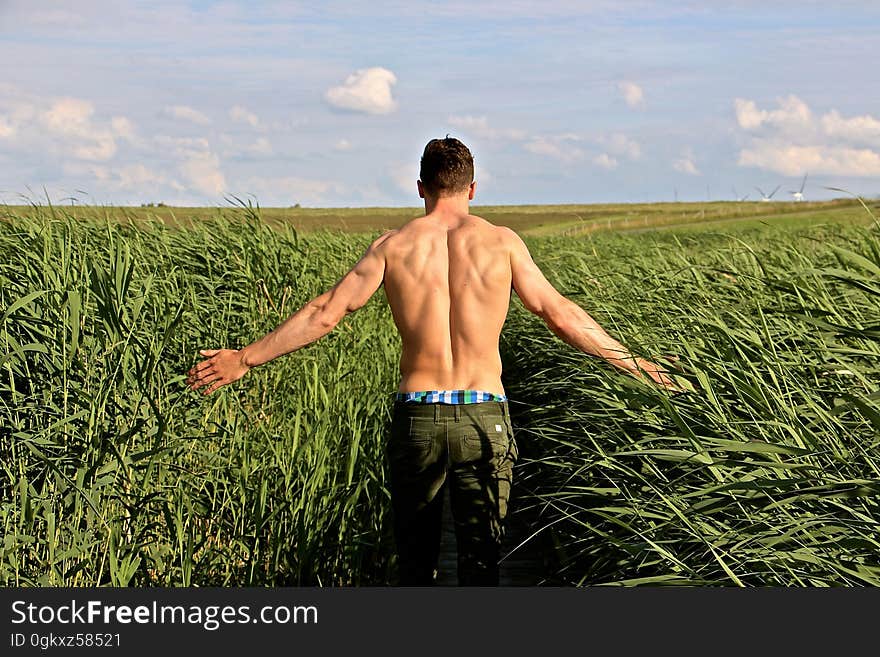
point(314, 320)
point(571, 322)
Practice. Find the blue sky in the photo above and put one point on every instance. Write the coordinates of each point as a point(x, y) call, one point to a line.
point(330, 104)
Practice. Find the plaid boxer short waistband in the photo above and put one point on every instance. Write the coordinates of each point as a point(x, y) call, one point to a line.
point(448, 397)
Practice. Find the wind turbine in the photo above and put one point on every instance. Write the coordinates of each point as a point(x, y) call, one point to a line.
point(737, 197)
point(799, 195)
point(765, 197)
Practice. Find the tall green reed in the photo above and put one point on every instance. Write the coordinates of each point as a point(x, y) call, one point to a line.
point(767, 473)
point(113, 472)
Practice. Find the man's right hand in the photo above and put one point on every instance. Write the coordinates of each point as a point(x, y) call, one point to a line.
point(658, 375)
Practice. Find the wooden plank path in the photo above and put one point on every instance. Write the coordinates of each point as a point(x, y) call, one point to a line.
point(524, 567)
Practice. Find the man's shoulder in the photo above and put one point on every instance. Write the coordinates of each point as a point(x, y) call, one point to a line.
point(414, 228)
point(506, 231)
point(384, 239)
point(415, 223)
point(496, 229)
point(505, 234)
point(386, 235)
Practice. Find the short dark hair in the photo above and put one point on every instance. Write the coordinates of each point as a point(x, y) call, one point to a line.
point(447, 167)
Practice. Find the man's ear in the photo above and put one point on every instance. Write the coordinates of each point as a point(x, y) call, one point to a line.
point(471, 190)
point(421, 189)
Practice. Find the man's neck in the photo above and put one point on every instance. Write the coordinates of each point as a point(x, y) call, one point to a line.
point(447, 205)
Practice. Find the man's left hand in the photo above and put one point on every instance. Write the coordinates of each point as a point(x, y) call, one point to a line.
point(220, 368)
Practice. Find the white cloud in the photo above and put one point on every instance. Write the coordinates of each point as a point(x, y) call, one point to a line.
point(15, 110)
point(6, 128)
point(69, 116)
point(342, 145)
point(100, 150)
point(620, 144)
point(181, 146)
point(792, 140)
point(122, 127)
point(243, 115)
point(558, 148)
point(198, 165)
point(69, 122)
point(294, 189)
point(791, 160)
point(367, 90)
point(405, 177)
point(132, 177)
point(234, 146)
point(857, 129)
point(186, 113)
point(748, 116)
point(686, 164)
point(632, 93)
point(605, 161)
point(202, 172)
point(97, 171)
point(261, 146)
point(567, 148)
point(793, 114)
point(478, 126)
point(137, 177)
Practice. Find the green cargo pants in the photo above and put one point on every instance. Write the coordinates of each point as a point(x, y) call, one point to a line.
point(471, 448)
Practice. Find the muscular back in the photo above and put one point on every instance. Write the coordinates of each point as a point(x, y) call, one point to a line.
point(448, 278)
point(448, 283)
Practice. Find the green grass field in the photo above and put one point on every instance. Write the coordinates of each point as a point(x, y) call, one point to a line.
point(531, 220)
point(114, 473)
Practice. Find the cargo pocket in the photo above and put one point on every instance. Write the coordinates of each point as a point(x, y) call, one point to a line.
point(487, 440)
point(409, 446)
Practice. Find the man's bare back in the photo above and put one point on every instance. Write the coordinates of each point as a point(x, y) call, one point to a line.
point(448, 277)
point(448, 281)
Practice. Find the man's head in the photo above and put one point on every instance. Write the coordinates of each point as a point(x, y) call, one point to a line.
point(447, 169)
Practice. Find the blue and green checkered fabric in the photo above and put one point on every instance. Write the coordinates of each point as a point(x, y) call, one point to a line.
point(448, 397)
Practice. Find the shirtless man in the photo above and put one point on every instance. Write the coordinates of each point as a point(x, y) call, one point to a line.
point(448, 277)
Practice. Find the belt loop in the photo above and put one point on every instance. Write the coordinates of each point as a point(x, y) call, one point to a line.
point(436, 413)
point(504, 409)
point(457, 412)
